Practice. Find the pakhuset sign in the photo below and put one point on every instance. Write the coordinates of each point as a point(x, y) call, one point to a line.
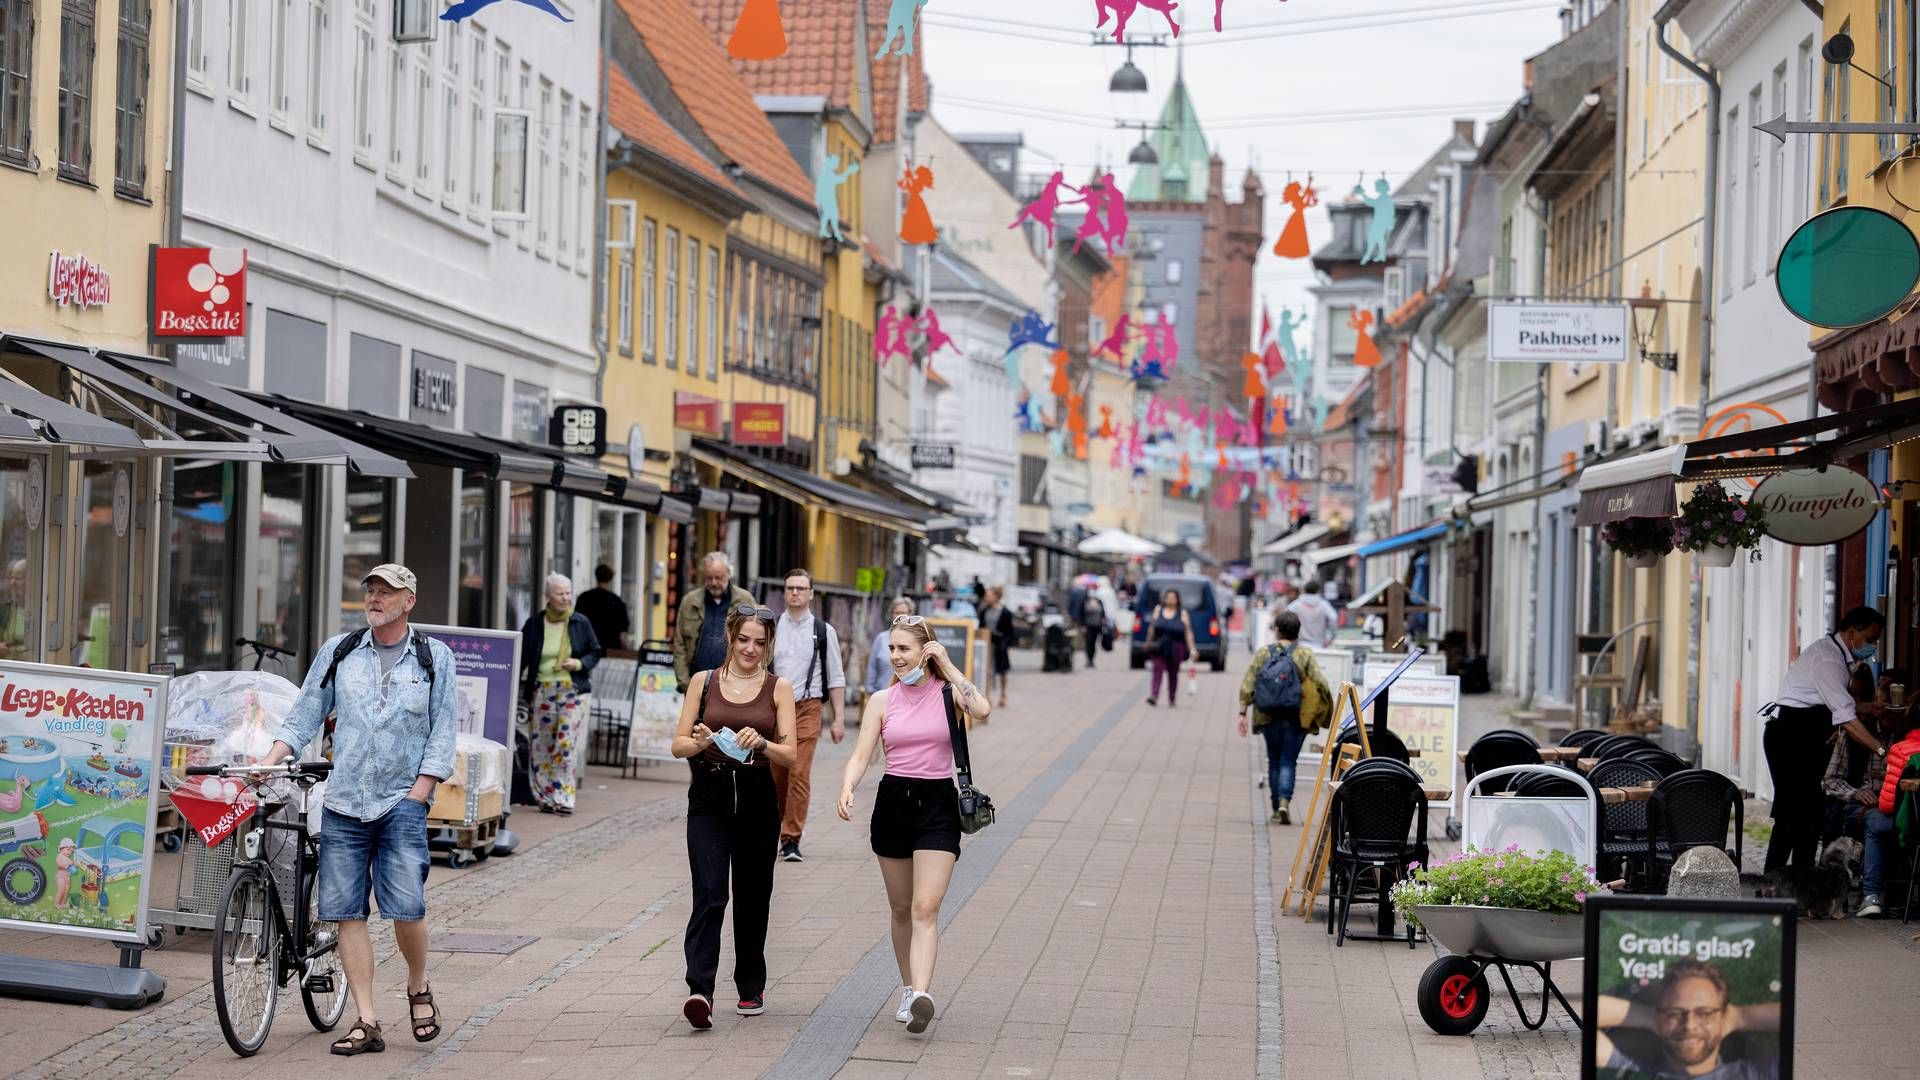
point(1815, 506)
point(1557, 333)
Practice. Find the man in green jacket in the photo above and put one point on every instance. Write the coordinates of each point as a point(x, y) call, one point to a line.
point(700, 630)
point(1288, 729)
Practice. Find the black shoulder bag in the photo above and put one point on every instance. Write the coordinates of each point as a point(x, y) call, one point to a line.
point(976, 809)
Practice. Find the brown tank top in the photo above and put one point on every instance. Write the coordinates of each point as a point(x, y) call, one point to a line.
point(760, 714)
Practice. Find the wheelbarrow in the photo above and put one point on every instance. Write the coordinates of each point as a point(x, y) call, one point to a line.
point(1454, 991)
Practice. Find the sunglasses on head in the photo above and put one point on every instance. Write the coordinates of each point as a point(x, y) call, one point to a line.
point(764, 614)
point(909, 620)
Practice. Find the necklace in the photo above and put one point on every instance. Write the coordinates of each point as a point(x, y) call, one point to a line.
point(739, 678)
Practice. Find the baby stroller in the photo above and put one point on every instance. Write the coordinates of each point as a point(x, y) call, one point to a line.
point(1057, 648)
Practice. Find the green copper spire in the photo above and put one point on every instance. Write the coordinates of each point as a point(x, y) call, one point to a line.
point(1181, 173)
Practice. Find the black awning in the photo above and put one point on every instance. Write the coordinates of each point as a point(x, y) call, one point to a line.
point(60, 422)
point(676, 511)
point(424, 445)
point(801, 486)
point(1046, 543)
point(1796, 445)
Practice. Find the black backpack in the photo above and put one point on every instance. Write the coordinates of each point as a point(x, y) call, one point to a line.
point(1277, 686)
point(421, 653)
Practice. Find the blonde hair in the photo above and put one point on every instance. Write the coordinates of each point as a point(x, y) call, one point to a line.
point(922, 633)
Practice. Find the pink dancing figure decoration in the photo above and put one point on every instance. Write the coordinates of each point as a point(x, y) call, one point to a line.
point(937, 338)
point(1106, 215)
point(1122, 10)
point(1156, 415)
point(890, 336)
point(1116, 342)
point(1161, 351)
point(1136, 446)
point(1046, 204)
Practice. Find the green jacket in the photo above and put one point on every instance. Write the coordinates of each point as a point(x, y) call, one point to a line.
point(686, 627)
point(1316, 697)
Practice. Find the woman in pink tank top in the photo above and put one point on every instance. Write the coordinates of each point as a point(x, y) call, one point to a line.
point(916, 811)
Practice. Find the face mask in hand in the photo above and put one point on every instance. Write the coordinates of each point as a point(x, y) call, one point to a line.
point(912, 678)
point(730, 746)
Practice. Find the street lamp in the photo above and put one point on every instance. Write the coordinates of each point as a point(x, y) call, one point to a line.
point(1646, 317)
point(1142, 154)
point(1129, 79)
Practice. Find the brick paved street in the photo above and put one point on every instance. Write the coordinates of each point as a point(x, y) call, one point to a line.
point(1111, 924)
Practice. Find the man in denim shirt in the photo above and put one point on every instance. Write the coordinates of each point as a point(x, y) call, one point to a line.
point(394, 724)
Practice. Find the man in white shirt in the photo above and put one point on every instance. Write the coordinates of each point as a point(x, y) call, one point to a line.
point(1318, 619)
point(806, 653)
point(1813, 701)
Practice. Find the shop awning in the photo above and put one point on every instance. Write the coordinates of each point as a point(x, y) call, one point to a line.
point(718, 500)
point(1119, 542)
point(1795, 445)
point(1296, 540)
point(1637, 486)
point(798, 485)
point(1402, 541)
point(1322, 556)
point(427, 446)
point(61, 422)
point(1045, 543)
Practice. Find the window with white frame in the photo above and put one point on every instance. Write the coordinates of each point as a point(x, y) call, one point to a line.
point(363, 62)
point(692, 350)
point(1776, 169)
point(523, 233)
point(319, 32)
point(648, 246)
point(16, 81)
point(563, 193)
point(673, 297)
point(1750, 213)
point(1731, 155)
point(450, 125)
point(713, 314)
point(511, 137)
point(543, 171)
point(589, 153)
point(502, 98)
point(280, 60)
point(239, 55)
point(623, 300)
point(396, 113)
point(1394, 284)
point(423, 130)
point(476, 123)
point(1886, 67)
point(196, 16)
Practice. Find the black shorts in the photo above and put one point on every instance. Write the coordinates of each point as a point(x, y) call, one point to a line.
point(912, 815)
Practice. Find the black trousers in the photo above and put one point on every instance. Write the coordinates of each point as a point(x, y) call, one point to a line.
point(1092, 643)
point(1796, 745)
point(733, 827)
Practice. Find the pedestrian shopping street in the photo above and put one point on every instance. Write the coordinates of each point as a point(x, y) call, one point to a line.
point(1118, 920)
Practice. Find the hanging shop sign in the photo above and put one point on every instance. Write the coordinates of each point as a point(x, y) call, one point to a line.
point(1848, 266)
point(697, 414)
point(580, 430)
point(759, 423)
point(933, 455)
point(1557, 333)
point(77, 281)
point(870, 580)
point(197, 292)
point(1811, 506)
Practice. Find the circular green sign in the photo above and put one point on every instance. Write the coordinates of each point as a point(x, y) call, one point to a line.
point(1848, 266)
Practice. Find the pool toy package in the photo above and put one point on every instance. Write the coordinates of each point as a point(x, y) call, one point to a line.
point(223, 718)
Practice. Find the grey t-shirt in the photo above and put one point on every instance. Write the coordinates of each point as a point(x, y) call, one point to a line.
point(390, 654)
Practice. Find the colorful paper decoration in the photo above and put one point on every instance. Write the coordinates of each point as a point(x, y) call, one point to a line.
point(1106, 422)
point(1253, 386)
point(890, 335)
point(1320, 408)
point(916, 225)
point(1381, 227)
point(1116, 342)
point(937, 338)
point(467, 8)
point(1156, 418)
point(1186, 474)
point(1289, 349)
point(1293, 236)
point(1365, 352)
point(1106, 215)
point(1279, 425)
point(826, 191)
point(1059, 360)
point(1122, 10)
point(1030, 329)
point(901, 16)
point(1163, 343)
point(1046, 204)
point(759, 33)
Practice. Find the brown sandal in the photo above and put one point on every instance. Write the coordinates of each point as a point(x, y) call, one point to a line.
point(429, 1022)
point(362, 1038)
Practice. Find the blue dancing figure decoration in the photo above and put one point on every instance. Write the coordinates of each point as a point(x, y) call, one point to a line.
point(467, 8)
point(901, 16)
point(1381, 226)
point(826, 194)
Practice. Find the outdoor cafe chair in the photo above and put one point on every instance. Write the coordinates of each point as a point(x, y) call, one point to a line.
point(1691, 808)
point(1623, 848)
point(1372, 815)
point(1498, 749)
point(1584, 736)
point(1383, 743)
point(1664, 761)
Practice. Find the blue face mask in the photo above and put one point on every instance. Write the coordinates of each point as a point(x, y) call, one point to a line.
point(1865, 652)
point(912, 678)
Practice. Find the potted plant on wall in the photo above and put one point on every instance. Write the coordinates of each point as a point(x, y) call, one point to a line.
point(1641, 540)
point(1715, 525)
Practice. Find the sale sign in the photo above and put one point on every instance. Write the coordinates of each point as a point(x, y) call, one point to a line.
point(759, 423)
point(199, 292)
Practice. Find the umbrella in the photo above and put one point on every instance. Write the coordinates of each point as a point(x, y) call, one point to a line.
point(1118, 542)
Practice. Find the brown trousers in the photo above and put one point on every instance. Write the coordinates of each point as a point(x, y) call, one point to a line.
point(793, 788)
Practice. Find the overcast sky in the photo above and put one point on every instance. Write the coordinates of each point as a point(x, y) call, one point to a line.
point(1279, 65)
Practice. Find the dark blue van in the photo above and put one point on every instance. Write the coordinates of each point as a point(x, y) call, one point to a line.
point(1197, 600)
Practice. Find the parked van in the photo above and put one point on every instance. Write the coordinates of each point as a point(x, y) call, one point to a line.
point(1203, 610)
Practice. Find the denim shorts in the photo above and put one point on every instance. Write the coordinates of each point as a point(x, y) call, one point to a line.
point(386, 857)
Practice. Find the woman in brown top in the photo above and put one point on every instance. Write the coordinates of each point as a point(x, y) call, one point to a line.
point(735, 720)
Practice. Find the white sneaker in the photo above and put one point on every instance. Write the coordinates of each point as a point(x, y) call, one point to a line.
point(905, 1012)
point(922, 1009)
point(1869, 907)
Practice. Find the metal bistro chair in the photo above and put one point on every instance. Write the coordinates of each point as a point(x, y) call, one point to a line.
point(1497, 750)
point(1622, 846)
point(1385, 744)
point(1615, 746)
point(1538, 785)
point(613, 679)
point(1372, 814)
point(1584, 736)
point(1665, 762)
point(1692, 808)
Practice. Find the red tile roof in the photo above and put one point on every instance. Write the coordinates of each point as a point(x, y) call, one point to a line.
point(820, 49)
point(701, 74)
point(637, 120)
point(886, 75)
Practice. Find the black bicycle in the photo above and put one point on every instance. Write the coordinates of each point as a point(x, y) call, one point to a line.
point(261, 652)
point(257, 948)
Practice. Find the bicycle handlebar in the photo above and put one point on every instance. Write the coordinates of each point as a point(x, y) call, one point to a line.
point(261, 646)
point(316, 770)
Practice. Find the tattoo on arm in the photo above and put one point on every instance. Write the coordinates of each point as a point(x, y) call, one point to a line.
point(968, 693)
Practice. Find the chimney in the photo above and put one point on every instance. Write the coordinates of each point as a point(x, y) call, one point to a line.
point(1464, 129)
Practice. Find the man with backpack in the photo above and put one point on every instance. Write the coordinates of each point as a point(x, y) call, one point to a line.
point(1290, 699)
point(806, 653)
point(391, 692)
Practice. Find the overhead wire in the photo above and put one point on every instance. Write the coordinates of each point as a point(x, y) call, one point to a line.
point(1302, 27)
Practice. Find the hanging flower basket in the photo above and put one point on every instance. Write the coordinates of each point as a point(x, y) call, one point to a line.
point(1641, 540)
point(1643, 562)
point(1716, 525)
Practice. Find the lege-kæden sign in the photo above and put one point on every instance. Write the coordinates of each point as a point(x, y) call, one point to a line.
point(1557, 333)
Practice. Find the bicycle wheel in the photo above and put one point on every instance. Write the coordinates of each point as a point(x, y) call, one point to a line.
point(324, 1009)
point(246, 959)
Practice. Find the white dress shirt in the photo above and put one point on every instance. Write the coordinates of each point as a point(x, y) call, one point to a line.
point(793, 655)
point(1819, 677)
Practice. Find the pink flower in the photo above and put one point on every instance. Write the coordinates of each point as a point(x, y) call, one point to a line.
point(1739, 515)
point(1581, 897)
point(1511, 847)
point(1499, 864)
point(1566, 879)
point(1485, 899)
point(1413, 866)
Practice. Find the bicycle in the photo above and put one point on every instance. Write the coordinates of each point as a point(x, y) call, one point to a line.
point(261, 651)
point(256, 948)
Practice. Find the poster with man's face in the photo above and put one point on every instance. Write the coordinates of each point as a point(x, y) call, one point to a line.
point(1695, 989)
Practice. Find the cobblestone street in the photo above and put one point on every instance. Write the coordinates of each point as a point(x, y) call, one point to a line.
point(1120, 919)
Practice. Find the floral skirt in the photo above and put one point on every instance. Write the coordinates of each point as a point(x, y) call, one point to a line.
point(559, 724)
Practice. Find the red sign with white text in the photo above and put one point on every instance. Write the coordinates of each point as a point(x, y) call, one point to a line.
point(759, 423)
point(213, 819)
point(199, 292)
point(79, 281)
point(691, 412)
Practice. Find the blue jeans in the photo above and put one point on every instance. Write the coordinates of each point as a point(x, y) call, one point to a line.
point(386, 857)
point(1879, 839)
point(1284, 737)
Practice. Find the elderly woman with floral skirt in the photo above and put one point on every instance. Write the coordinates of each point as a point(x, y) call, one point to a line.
point(558, 650)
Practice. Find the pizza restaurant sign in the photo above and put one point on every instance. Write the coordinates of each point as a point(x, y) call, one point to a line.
point(78, 281)
point(1814, 506)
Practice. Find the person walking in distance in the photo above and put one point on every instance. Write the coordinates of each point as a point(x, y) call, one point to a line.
point(879, 664)
point(1813, 701)
point(735, 722)
point(391, 692)
point(605, 610)
point(1288, 698)
point(1093, 626)
point(558, 651)
point(999, 622)
point(1169, 643)
point(916, 811)
point(808, 656)
point(1318, 619)
point(700, 627)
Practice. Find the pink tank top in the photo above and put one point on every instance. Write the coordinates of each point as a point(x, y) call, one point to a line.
point(914, 731)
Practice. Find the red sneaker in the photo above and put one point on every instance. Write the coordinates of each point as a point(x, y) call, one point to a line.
point(699, 1011)
point(752, 1006)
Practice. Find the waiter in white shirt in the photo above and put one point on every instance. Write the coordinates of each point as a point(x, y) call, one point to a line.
point(1318, 619)
point(1813, 702)
point(806, 653)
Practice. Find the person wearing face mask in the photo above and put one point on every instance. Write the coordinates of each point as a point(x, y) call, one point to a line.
point(1813, 701)
point(916, 811)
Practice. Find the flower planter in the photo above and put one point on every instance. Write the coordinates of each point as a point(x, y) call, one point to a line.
point(1716, 555)
point(1508, 933)
point(1643, 562)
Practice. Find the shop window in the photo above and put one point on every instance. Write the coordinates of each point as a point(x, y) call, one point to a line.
point(477, 499)
point(200, 579)
point(523, 553)
point(22, 550)
point(366, 541)
point(282, 564)
point(561, 561)
point(16, 80)
point(130, 100)
point(76, 90)
point(101, 614)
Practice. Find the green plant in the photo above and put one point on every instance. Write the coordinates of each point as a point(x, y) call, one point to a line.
point(1509, 878)
point(1710, 517)
point(1635, 537)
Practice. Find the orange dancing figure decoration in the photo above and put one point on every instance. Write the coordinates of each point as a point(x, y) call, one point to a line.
point(916, 225)
point(1106, 422)
point(1060, 385)
point(1186, 474)
point(759, 34)
point(1253, 387)
point(1279, 410)
point(1365, 352)
point(1293, 237)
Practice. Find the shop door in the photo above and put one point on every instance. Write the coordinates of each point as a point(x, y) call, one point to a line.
point(23, 536)
point(101, 542)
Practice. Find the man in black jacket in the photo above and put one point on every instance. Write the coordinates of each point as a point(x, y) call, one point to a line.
point(605, 610)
